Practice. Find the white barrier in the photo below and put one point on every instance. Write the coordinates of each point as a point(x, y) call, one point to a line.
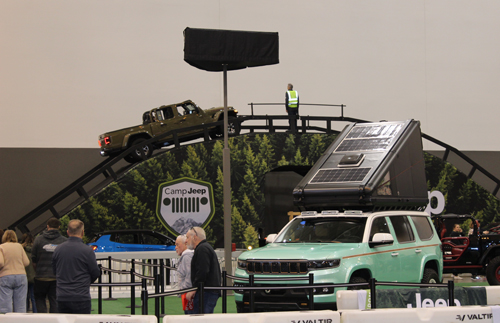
point(492, 295)
point(271, 317)
point(356, 299)
point(483, 314)
point(75, 318)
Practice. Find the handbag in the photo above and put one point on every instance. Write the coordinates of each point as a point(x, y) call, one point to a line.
point(187, 305)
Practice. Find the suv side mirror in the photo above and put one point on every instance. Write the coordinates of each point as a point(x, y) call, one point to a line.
point(270, 238)
point(381, 239)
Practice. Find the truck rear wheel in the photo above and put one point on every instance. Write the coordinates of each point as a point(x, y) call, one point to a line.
point(142, 152)
point(493, 271)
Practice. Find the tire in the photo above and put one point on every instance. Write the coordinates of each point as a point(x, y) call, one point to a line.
point(356, 280)
point(430, 276)
point(233, 129)
point(142, 153)
point(493, 271)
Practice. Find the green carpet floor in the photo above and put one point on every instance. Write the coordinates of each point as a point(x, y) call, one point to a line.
point(173, 306)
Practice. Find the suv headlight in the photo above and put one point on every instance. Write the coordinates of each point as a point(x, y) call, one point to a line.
point(323, 264)
point(242, 264)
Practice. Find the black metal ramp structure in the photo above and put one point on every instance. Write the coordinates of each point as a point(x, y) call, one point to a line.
point(114, 168)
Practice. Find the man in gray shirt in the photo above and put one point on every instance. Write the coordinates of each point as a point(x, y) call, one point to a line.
point(75, 266)
point(184, 265)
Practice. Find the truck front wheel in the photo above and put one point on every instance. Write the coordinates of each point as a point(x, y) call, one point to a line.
point(142, 152)
point(233, 129)
point(493, 271)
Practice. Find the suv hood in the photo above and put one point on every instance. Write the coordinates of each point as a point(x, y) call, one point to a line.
point(306, 251)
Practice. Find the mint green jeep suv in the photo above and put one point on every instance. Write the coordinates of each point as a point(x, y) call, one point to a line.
point(349, 247)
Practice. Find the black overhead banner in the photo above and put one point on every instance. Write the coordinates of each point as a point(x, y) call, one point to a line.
point(208, 49)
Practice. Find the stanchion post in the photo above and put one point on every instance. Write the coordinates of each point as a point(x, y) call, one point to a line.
point(373, 292)
point(110, 275)
point(451, 293)
point(157, 299)
point(167, 274)
point(162, 285)
point(251, 283)
point(99, 291)
point(144, 297)
point(311, 291)
point(132, 289)
point(224, 292)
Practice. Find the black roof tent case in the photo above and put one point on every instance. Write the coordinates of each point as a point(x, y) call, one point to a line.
point(369, 166)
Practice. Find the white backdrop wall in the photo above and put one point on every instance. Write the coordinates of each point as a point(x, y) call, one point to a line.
point(70, 70)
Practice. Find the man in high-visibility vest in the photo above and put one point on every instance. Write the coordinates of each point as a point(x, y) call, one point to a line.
point(292, 106)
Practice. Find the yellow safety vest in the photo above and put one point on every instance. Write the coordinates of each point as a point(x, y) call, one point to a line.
point(293, 99)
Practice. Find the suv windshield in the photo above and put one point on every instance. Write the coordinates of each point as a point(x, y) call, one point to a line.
point(338, 229)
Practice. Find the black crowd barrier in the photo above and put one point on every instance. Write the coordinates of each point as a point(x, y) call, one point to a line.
point(159, 280)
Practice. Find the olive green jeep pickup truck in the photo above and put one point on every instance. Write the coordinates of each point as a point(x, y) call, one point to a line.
point(161, 120)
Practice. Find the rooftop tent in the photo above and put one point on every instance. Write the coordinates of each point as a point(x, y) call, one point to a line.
point(209, 49)
point(368, 166)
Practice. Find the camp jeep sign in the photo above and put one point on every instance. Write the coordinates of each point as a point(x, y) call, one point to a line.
point(185, 203)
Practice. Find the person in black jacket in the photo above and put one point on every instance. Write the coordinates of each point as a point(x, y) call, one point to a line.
point(204, 269)
point(75, 266)
point(41, 257)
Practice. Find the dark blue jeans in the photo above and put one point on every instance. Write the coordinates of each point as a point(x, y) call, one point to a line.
point(209, 302)
point(31, 297)
point(80, 307)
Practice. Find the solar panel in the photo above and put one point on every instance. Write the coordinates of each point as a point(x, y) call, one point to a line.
point(369, 137)
point(340, 175)
point(374, 131)
point(364, 145)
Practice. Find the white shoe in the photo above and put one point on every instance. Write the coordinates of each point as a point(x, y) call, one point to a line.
point(457, 277)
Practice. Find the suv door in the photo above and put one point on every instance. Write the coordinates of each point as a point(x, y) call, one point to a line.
point(386, 264)
point(409, 253)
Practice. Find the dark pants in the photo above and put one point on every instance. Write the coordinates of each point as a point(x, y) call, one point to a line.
point(292, 112)
point(209, 302)
point(80, 307)
point(31, 297)
point(43, 290)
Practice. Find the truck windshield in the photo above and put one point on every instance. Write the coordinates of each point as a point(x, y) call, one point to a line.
point(335, 229)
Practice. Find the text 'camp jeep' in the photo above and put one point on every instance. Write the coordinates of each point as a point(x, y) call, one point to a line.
point(363, 218)
point(159, 121)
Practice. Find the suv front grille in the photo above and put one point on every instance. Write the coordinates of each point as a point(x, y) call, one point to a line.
point(276, 267)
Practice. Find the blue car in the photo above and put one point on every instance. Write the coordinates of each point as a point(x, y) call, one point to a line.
point(131, 240)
